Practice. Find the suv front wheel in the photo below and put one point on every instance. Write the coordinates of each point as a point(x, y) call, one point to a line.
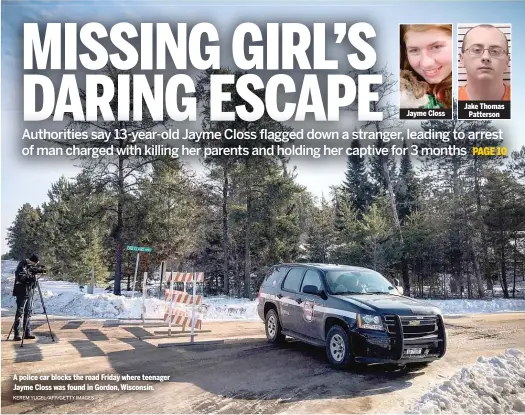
point(338, 348)
point(273, 328)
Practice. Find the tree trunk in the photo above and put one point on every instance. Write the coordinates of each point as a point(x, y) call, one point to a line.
point(404, 273)
point(404, 265)
point(162, 273)
point(515, 265)
point(471, 243)
point(445, 286)
point(469, 284)
point(120, 226)
point(247, 256)
point(504, 271)
point(475, 263)
point(238, 276)
point(225, 232)
point(420, 281)
point(480, 225)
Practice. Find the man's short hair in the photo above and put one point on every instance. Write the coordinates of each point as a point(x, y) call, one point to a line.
point(34, 258)
point(487, 26)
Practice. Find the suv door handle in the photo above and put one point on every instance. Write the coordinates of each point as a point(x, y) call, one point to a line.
point(299, 301)
point(279, 296)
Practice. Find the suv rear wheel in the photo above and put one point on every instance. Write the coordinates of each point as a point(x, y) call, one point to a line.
point(273, 328)
point(338, 348)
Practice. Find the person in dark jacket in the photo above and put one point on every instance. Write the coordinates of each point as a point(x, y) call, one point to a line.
point(25, 283)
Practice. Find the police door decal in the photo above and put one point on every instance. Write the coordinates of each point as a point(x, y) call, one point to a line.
point(308, 310)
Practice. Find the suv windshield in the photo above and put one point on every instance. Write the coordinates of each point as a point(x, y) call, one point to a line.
point(358, 282)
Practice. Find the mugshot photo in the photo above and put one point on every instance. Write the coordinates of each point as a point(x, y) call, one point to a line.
point(484, 77)
point(426, 71)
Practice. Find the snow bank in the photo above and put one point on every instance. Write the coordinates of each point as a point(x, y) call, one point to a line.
point(495, 305)
point(492, 385)
point(91, 305)
point(227, 308)
point(65, 298)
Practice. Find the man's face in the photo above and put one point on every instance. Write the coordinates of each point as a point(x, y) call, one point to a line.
point(485, 67)
point(429, 53)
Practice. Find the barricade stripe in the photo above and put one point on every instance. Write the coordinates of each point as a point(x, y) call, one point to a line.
point(199, 276)
point(185, 276)
point(179, 316)
point(181, 297)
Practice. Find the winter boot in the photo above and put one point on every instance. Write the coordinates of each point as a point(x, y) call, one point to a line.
point(16, 330)
point(28, 334)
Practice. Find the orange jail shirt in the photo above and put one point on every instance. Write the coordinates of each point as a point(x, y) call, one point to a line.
point(463, 96)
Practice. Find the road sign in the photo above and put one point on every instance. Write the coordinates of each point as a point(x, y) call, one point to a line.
point(138, 248)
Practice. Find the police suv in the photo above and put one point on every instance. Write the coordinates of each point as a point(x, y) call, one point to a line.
point(355, 313)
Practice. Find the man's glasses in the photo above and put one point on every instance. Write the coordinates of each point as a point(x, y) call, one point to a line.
point(477, 50)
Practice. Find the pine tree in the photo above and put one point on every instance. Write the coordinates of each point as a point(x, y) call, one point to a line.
point(321, 233)
point(383, 166)
point(250, 167)
point(505, 218)
point(74, 233)
point(119, 174)
point(356, 185)
point(24, 236)
point(424, 237)
point(406, 187)
point(349, 233)
point(517, 164)
point(407, 201)
point(170, 215)
point(461, 173)
point(379, 236)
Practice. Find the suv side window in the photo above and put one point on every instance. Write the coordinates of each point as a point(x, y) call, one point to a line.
point(293, 279)
point(312, 278)
point(274, 276)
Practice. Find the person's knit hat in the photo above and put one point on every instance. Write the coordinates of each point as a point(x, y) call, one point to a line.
point(34, 258)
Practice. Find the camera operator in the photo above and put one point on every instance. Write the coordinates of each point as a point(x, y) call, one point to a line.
point(25, 281)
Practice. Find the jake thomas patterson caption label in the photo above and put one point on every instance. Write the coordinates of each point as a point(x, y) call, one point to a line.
point(475, 110)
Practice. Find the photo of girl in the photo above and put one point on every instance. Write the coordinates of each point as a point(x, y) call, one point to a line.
point(426, 66)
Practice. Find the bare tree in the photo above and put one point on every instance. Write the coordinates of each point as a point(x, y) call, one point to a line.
point(120, 172)
point(381, 164)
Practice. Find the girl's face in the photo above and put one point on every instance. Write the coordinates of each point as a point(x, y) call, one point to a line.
point(430, 54)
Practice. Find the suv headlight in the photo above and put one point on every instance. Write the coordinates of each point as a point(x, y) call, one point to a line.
point(366, 321)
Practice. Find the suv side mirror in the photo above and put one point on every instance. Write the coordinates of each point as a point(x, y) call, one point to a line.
point(398, 286)
point(312, 289)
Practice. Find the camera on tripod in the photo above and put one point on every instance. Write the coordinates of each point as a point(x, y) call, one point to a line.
point(29, 278)
point(36, 269)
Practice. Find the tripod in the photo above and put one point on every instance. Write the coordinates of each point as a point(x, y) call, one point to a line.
point(30, 312)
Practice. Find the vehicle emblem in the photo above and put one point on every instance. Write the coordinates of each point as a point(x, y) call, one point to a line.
point(414, 323)
point(308, 311)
